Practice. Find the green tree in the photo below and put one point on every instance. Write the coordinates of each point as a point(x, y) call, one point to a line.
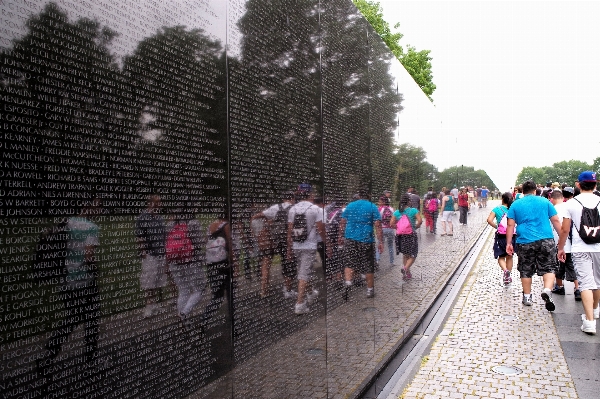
point(412, 170)
point(596, 164)
point(416, 62)
point(561, 172)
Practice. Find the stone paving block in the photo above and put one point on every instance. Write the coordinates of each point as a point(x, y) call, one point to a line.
point(488, 326)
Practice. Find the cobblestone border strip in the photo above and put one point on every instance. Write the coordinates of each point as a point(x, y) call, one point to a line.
point(388, 357)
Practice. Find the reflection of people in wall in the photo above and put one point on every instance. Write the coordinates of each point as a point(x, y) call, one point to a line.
point(182, 248)
point(218, 248)
point(151, 236)
point(79, 290)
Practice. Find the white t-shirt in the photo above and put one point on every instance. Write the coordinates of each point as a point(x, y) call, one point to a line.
point(573, 211)
point(271, 212)
point(561, 211)
point(313, 214)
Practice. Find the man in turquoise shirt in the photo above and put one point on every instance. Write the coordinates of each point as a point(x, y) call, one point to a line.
point(356, 235)
point(535, 242)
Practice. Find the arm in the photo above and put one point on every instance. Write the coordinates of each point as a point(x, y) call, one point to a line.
point(379, 232)
point(510, 230)
point(562, 238)
point(491, 220)
point(443, 203)
point(290, 241)
point(419, 220)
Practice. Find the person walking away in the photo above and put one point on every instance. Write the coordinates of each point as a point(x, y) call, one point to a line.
point(566, 270)
point(484, 196)
point(387, 212)
point(407, 241)
point(151, 234)
point(463, 205)
point(218, 272)
point(583, 210)
point(184, 259)
point(429, 208)
point(359, 220)
point(305, 225)
point(535, 242)
point(497, 215)
point(277, 218)
point(447, 213)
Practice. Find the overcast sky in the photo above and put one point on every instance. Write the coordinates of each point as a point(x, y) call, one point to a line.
point(517, 82)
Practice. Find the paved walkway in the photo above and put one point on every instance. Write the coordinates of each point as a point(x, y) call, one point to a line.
point(489, 327)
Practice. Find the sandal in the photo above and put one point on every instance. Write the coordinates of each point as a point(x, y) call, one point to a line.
point(450, 234)
point(441, 235)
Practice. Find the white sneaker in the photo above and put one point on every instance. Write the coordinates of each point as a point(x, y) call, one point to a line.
point(301, 308)
point(597, 313)
point(588, 326)
point(289, 294)
point(310, 298)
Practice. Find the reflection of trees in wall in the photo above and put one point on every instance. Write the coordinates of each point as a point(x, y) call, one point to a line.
point(275, 97)
point(359, 104)
point(177, 109)
point(65, 80)
point(162, 116)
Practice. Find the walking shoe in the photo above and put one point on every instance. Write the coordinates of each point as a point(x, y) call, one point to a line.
point(558, 290)
point(577, 294)
point(289, 294)
point(403, 271)
point(370, 292)
point(597, 313)
point(407, 275)
point(311, 297)
point(588, 326)
point(549, 302)
point(507, 278)
point(301, 308)
point(527, 301)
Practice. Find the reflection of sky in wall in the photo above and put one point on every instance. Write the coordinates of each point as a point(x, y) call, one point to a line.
point(136, 20)
point(133, 20)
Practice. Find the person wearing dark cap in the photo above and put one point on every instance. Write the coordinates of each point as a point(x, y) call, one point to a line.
point(586, 256)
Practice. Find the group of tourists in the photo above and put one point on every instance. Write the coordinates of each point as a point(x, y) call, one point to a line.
point(554, 231)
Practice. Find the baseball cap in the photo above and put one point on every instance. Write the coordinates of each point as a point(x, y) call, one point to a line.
point(587, 176)
point(305, 187)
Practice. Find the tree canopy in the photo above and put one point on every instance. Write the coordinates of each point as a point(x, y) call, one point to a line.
point(416, 62)
point(561, 172)
point(412, 169)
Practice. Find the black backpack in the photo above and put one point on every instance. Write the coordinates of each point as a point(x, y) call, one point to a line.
point(300, 228)
point(279, 226)
point(589, 227)
point(51, 251)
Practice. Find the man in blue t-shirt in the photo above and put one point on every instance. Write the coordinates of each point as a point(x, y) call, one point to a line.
point(535, 241)
point(356, 235)
point(484, 196)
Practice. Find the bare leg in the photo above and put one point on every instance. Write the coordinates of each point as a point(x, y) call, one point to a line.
point(526, 283)
point(408, 261)
point(548, 280)
point(265, 267)
point(509, 263)
point(444, 226)
point(370, 281)
point(450, 227)
point(502, 263)
point(301, 290)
